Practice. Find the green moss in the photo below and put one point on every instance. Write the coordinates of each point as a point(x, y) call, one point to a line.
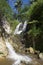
point(1, 52)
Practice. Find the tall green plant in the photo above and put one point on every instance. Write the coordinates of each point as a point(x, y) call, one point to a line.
point(34, 31)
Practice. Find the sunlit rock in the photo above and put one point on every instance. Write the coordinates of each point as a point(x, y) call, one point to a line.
point(2, 58)
point(30, 49)
point(41, 56)
point(6, 26)
point(3, 49)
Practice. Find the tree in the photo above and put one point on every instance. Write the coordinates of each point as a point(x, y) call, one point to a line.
point(34, 31)
point(6, 9)
point(34, 15)
point(18, 5)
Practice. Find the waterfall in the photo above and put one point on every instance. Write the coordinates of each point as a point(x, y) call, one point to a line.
point(20, 28)
point(16, 57)
point(17, 31)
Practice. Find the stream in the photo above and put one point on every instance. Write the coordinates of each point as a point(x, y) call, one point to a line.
point(16, 58)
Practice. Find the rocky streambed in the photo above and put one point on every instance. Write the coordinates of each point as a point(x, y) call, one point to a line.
point(3, 49)
point(7, 61)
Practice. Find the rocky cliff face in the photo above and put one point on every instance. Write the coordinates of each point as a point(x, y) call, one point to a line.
point(3, 49)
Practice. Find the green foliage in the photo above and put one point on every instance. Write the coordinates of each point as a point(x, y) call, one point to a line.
point(5, 8)
point(26, 8)
point(8, 13)
point(18, 5)
point(13, 24)
point(35, 11)
point(1, 52)
point(34, 31)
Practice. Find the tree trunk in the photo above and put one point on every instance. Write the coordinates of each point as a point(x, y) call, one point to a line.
point(33, 39)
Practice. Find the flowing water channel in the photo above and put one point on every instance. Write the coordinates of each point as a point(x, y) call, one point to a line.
point(14, 58)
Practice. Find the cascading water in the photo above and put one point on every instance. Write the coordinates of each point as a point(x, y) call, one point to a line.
point(23, 28)
point(17, 29)
point(16, 57)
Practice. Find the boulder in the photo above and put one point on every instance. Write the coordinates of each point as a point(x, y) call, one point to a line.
point(41, 56)
point(30, 49)
point(3, 49)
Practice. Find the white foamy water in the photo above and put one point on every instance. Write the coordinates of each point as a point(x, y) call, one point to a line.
point(17, 58)
point(24, 26)
point(17, 31)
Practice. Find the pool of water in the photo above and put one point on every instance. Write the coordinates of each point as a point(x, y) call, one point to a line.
point(6, 62)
